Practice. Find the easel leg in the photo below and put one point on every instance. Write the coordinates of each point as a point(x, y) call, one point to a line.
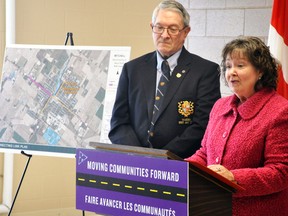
point(19, 186)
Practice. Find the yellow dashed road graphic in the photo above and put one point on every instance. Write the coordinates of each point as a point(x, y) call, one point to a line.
point(132, 187)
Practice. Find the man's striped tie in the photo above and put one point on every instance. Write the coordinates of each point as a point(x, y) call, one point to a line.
point(161, 90)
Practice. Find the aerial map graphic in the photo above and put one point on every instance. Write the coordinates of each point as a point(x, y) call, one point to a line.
point(56, 99)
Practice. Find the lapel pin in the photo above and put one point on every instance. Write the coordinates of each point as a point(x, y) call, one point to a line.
point(183, 71)
point(178, 75)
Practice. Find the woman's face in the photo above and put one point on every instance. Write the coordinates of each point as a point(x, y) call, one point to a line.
point(241, 75)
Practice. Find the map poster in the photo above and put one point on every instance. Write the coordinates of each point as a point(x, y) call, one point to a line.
point(54, 99)
point(114, 183)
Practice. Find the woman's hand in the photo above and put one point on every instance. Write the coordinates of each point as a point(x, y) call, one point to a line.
point(222, 171)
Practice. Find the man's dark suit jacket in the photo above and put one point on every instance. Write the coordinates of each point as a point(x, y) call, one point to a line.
point(193, 89)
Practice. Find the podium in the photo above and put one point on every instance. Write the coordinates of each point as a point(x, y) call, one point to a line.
point(167, 183)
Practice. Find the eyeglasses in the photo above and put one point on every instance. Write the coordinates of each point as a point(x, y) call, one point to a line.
point(171, 30)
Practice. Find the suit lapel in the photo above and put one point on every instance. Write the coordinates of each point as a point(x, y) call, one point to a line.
point(149, 72)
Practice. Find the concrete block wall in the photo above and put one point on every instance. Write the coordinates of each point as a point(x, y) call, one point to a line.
point(216, 22)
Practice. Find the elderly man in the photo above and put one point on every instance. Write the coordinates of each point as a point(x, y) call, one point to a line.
point(164, 98)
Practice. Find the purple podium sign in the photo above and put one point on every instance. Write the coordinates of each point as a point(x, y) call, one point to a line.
point(115, 183)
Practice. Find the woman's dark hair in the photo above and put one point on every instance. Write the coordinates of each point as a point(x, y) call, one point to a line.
point(258, 55)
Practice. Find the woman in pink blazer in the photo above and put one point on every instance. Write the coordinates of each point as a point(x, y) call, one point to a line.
point(246, 140)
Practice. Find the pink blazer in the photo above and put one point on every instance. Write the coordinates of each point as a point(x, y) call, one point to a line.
point(251, 140)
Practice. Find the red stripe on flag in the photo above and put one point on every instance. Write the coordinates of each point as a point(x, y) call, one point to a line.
point(280, 18)
point(278, 42)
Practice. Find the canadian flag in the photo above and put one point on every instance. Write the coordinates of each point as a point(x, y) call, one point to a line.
point(278, 42)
